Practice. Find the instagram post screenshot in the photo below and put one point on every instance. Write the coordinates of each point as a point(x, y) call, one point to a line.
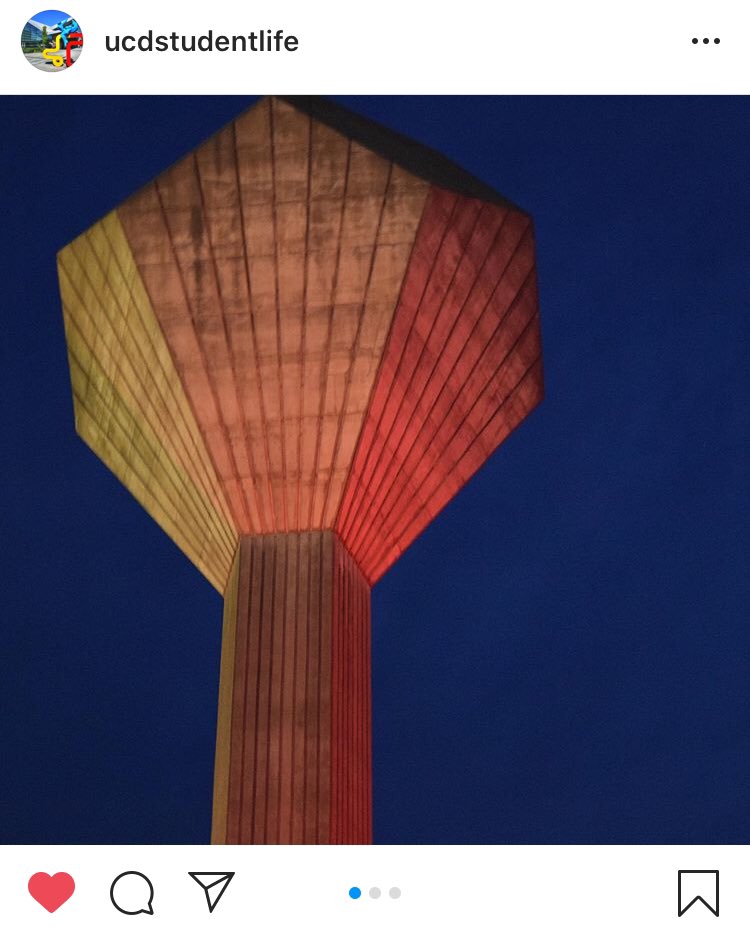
point(375, 465)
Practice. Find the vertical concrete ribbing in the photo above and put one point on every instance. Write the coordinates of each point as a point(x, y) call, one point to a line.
point(293, 738)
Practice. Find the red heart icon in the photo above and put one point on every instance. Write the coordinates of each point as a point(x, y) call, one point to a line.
point(51, 891)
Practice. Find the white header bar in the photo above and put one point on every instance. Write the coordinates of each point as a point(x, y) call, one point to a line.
point(393, 47)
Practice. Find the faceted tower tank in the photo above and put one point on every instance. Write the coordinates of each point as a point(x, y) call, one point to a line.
point(294, 347)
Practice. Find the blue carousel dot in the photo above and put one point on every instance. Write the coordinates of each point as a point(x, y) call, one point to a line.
point(355, 892)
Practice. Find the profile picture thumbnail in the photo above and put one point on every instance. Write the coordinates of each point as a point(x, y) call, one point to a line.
point(52, 40)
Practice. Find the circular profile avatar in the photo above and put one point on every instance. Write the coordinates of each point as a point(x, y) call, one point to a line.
point(52, 40)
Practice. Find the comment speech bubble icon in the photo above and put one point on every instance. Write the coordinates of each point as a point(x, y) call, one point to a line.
point(132, 893)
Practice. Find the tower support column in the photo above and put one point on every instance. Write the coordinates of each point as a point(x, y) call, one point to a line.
point(293, 753)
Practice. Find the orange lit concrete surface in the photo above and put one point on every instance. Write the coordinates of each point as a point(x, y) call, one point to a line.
point(294, 347)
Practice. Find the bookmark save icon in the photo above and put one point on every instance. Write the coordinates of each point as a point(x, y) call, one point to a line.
point(697, 886)
point(214, 884)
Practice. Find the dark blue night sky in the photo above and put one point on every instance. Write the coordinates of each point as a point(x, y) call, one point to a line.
point(564, 656)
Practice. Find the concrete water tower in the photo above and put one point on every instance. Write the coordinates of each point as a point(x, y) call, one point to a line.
point(294, 347)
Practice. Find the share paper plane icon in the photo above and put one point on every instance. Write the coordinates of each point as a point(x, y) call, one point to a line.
point(214, 884)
